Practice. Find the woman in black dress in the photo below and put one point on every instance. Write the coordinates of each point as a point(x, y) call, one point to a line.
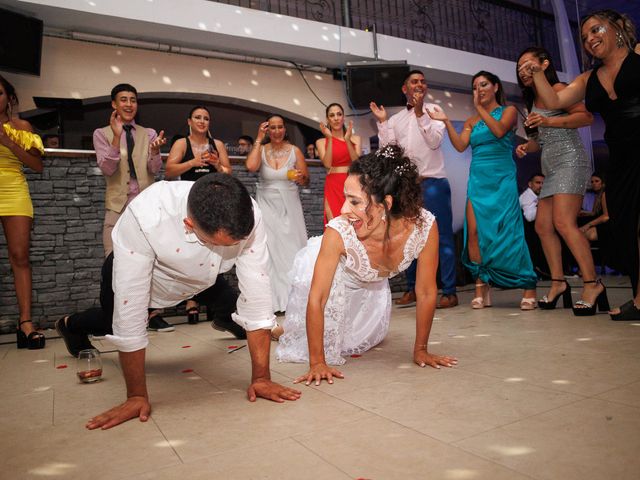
point(193, 157)
point(612, 89)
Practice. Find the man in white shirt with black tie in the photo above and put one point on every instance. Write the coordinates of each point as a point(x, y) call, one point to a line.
point(171, 242)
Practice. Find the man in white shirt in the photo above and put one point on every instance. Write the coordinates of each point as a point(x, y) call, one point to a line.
point(171, 242)
point(420, 137)
point(529, 198)
point(529, 205)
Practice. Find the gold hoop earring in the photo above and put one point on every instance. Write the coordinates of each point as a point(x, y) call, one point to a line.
point(190, 132)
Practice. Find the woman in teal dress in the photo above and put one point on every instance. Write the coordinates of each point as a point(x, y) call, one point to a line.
point(495, 250)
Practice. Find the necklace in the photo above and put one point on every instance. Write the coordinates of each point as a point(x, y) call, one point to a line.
point(276, 155)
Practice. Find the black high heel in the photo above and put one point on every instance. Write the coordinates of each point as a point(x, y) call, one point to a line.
point(586, 309)
point(193, 315)
point(33, 341)
point(546, 304)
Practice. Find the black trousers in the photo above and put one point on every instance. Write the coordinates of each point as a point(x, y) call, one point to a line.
point(220, 300)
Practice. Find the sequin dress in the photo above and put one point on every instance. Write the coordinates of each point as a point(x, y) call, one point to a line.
point(358, 310)
point(565, 163)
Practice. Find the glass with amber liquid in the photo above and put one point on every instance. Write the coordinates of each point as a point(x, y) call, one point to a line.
point(89, 364)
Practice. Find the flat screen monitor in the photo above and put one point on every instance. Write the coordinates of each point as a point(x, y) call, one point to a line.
point(20, 43)
point(378, 83)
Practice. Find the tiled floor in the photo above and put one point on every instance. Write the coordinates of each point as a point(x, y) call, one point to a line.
point(536, 395)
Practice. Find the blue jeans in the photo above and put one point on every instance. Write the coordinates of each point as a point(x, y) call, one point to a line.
point(436, 195)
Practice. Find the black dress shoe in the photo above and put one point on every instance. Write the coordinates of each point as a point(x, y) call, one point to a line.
point(75, 342)
point(231, 327)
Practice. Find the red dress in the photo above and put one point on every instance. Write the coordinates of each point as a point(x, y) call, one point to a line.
point(334, 182)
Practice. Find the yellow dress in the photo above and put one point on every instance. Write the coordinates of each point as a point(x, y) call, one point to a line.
point(14, 191)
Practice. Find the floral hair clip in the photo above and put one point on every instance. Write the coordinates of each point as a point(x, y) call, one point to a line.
point(401, 170)
point(386, 152)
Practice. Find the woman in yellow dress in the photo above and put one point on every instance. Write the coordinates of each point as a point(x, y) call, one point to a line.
point(18, 147)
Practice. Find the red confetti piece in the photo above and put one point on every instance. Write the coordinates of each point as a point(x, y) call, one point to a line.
point(177, 250)
point(64, 365)
point(131, 252)
point(126, 301)
point(232, 346)
point(187, 370)
point(355, 355)
point(186, 346)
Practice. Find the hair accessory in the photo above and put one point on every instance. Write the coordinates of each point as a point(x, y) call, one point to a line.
point(619, 40)
point(401, 170)
point(387, 152)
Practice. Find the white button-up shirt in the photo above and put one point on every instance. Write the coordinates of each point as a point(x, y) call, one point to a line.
point(158, 264)
point(419, 137)
point(529, 204)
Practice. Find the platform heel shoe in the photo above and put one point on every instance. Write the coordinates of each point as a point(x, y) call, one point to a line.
point(33, 341)
point(193, 315)
point(549, 304)
point(586, 309)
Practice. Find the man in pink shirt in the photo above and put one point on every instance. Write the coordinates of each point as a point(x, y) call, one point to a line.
point(420, 137)
point(129, 157)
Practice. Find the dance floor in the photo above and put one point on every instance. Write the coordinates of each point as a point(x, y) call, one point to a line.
point(536, 395)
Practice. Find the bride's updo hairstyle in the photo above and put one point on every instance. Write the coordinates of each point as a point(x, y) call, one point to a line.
point(388, 171)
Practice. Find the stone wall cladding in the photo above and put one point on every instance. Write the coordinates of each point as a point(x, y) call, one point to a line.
point(66, 241)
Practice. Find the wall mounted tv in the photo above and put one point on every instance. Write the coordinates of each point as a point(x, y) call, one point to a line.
point(380, 82)
point(20, 43)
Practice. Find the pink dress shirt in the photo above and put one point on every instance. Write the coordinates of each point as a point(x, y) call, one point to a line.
point(419, 137)
point(108, 156)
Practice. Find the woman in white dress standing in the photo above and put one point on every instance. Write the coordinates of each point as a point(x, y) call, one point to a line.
point(346, 307)
point(282, 168)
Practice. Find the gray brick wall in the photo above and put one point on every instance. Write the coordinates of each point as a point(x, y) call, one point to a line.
point(66, 245)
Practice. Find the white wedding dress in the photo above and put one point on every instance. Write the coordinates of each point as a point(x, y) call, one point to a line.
point(358, 310)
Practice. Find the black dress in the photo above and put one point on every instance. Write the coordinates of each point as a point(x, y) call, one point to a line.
point(195, 173)
point(622, 121)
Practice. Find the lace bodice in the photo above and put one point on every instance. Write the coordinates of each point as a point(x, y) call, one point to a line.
point(357, 262)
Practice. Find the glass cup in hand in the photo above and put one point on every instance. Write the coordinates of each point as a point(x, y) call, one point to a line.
point(530, 132)
point(292, 174)
point(89, 366)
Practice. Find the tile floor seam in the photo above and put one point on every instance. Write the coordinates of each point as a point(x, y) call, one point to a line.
point(166, 439)
point(316, 454)
point(526, 417)
point(547, 388)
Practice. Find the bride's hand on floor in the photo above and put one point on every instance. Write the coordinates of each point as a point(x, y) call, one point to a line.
point(319, 372)
point(423, 358)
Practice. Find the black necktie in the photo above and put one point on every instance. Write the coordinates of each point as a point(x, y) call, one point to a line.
point(130, 144)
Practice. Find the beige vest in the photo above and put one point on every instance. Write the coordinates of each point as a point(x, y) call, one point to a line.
point(118, 183)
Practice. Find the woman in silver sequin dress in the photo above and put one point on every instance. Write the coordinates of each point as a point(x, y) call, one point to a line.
point(566, 167)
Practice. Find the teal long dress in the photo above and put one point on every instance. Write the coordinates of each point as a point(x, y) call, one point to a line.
point(493, 193)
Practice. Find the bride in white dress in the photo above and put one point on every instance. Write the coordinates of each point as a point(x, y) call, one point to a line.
point(343, 305)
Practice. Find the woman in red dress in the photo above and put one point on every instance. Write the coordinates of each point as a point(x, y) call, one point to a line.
point(337, 150)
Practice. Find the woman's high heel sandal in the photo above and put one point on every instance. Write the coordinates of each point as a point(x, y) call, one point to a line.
point(33, 341)
point(193, 315)
point(549, 304)
point(586, 309)
point(483, 301)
